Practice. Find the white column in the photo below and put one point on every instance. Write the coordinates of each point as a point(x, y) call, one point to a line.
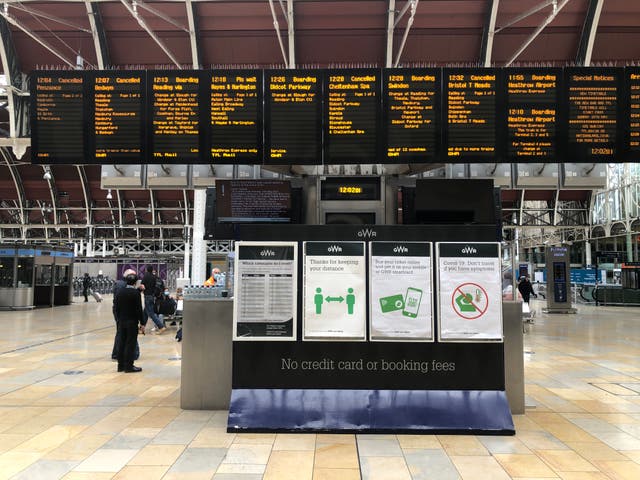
point(187, 249)
point(587, 254)
point(199, 253)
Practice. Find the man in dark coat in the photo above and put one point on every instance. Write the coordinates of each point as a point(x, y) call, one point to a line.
point(119, 285)
point(526, 289)
point(128, 310)
point(86, 285)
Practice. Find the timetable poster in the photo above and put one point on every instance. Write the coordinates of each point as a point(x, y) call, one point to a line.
point(334, 305)
point(470, 292)
point(401, 306)
point(265, 306)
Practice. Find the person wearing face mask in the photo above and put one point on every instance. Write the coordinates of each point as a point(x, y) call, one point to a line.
point(165, 305)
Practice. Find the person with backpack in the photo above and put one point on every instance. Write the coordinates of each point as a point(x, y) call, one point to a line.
point(149, 281)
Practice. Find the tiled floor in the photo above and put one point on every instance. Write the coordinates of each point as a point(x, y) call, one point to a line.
point(66, 413)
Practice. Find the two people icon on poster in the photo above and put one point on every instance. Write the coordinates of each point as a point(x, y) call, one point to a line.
point(319, 300)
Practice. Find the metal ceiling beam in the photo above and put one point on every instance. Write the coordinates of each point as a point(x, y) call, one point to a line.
point(526, 14)
point(87, 194)
point(291, 34)
point(192, 14)
point(537, 31)
point(489, 31)
point(413, 4)
point(98, 34)
point(132, 8)
point(7, 16)
point(276, 26)
point(391, 14)
point(10, 69)
point(17, 181)
point(588, 36)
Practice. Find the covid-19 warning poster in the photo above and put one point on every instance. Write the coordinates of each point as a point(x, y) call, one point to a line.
point(401, 306)
point(334, 305)
point(470, 292)
point(265, 291)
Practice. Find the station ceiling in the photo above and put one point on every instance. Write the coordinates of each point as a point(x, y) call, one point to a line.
point(173, 34)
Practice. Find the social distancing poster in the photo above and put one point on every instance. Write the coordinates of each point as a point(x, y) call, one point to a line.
point(470, 292)
point(400, 291)
point(334, 304)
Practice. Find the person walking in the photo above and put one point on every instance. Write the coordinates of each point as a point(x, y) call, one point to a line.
point(86, 285)
point(117, 341)
point(128, 311)
point(149, 283)
point(526, 289)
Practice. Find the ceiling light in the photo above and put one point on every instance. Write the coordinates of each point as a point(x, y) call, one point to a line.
point(149, 209)
point(47, 173)
point(109, 196)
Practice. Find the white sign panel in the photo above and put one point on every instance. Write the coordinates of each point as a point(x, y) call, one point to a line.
point(334, 290)
point(470, 292)
point(401, 306)
point(265, 291)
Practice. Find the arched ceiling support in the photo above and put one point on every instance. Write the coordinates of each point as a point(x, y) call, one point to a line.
point(120, 218)
point(557, 7)
point(7, 16)
point(588, 36)
point(98, 34)
point(290, 58)
point(192, 14)
point(88, 201)
point(489, 31)
point(391, 17)
point(152, 207)
point(47, 16)
point(51, 182)
point(413, 5)
point(17, 181)
point(132, 8)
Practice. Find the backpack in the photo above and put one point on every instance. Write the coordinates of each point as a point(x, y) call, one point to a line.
point(159, 289)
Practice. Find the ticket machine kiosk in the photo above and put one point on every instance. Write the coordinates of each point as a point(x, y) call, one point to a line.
point(558, 280)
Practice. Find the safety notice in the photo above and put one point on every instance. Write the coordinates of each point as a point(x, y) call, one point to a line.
point(470, 291)
point(400, 286)
point(334, 290)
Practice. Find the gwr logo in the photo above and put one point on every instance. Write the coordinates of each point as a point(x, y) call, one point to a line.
point(334, 249)
point(267, 253)
point(401, 249)
point(367, 233)
point(469, 249)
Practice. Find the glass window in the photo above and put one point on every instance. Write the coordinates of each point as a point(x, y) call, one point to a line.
point(62, 275)
point(6, 271)
point(43, 275)
point(25, 272)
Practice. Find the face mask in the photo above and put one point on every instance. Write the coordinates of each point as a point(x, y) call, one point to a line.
point(166, 292)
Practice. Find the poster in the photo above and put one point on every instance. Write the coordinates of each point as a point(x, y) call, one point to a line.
point(401, 306)
point(334, 290)
point(470, 293)
point(265, 291)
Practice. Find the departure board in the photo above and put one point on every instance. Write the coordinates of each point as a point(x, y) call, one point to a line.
point(632, 127)
point(352, 116)
point(174, 116)
point(116, 125)
point(411, 113)
point(532, 114)
point(57, 117)
point(592, 105)
point(236, 116)
point(470, 106)
point(293, 107)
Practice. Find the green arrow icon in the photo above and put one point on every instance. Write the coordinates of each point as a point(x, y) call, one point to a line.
point(334, 299)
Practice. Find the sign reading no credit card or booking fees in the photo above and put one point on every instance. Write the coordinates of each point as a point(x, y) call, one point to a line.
point(335, 292)
point(470, 291)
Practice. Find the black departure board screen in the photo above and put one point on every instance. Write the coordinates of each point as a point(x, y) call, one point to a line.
point(352, 116)
point(174, 116)
point(532, 114)
point(592, 112)
point(632, 127)
point(293, 106)
point(116, 119)
point(235, 103)
point(411, 115)
point(57, 117)
point(470, 112)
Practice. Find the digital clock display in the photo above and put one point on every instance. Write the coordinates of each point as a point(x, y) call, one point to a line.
point(361, 188)
point(350, 190)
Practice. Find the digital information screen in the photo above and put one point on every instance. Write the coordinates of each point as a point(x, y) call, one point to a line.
point(57, 118)
point(117, 120)
point(411, 112)
point(470, 102)
point(592, 96)
point(632, 90)
point(236, 116)
point(352, 113)
point(175, 117)
point(350, 188)
point(293, 106)
point(253, 201)
point(532, 114)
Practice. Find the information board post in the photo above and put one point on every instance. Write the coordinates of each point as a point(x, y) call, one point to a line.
point(558, 280)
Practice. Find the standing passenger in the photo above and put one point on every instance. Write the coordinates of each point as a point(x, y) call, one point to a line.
point(86, 285)
point(128, 311)
point(149, 282)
